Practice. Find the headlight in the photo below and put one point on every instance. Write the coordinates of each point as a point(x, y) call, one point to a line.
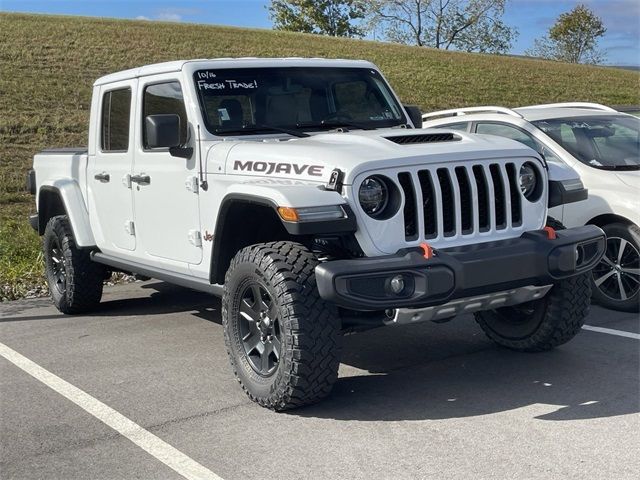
point(527, 179)
point(373, 196)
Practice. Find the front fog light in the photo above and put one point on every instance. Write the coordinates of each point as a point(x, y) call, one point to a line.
point(397, 284)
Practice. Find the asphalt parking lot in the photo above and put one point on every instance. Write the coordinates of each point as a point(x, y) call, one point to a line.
point(423, 401)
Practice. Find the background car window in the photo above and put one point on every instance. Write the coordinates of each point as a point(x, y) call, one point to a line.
point(507, 131)
point(164, 98)
point(617, 141)
point(460, 126)
point(116, 110)
point(603, 141)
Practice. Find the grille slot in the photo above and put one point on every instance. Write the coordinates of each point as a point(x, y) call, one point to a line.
point(500, 199)
point(462, 200)
point(428, 204)
point(483, 198)
point(516, 207)
point(410, 213)
point(448, 203)
point(466, 205)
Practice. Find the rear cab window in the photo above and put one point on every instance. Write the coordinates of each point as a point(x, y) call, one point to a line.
point(114, 122)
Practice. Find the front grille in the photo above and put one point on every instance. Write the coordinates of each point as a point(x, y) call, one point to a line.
point(461, 200)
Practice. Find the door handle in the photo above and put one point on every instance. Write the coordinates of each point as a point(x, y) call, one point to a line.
point(102, 177)
point(141, 179)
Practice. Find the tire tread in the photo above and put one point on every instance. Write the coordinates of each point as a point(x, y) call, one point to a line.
point(85, 278)
point(313, 327)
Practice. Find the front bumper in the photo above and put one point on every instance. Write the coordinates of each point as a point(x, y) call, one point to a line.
point(460, 272)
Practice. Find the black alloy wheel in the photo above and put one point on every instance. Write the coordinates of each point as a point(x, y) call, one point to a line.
point(74, 280)
point(260, 329)
point(283, 340)
point(58, 268)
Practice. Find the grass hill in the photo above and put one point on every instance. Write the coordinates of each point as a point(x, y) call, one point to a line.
point(48, 64)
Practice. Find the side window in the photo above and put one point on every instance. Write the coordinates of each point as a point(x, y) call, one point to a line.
point(164, 98)
point(114, 130)
point(507, 131)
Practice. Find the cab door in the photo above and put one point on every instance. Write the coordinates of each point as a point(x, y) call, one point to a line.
point(165, 190)
point(110, 202)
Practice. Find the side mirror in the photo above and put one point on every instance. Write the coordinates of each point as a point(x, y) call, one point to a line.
point(415, 115)
point(162, 131)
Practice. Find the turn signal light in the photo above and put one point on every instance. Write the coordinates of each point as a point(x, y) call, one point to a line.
point(288, 214)
point(323, 213)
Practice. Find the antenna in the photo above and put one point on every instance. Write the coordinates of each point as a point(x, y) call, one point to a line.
point(203, 183)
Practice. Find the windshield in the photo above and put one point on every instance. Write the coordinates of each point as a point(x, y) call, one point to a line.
point(610, 142)
point(258, 100)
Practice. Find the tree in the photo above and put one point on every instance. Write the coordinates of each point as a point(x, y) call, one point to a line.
point(324, 17)
point(573, 38)
point(468, 25)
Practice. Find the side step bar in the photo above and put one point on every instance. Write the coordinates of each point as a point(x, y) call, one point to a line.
point(159, 274)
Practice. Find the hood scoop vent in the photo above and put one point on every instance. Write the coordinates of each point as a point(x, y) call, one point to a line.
point(423, 138)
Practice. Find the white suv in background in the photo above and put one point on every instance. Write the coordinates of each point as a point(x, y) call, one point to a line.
point(603, 146)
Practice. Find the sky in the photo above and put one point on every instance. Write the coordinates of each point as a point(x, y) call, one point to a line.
point(531, 17)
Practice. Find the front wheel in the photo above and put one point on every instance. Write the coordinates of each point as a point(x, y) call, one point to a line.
point(541, 324)
point(283, 340)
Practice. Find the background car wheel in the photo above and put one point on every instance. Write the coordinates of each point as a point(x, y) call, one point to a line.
point(75, 282)
point(616, 279)
point(283, 340)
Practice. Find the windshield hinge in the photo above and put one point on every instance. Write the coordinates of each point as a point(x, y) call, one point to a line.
point(192, 184)
point(195, 238)
point(130, 228)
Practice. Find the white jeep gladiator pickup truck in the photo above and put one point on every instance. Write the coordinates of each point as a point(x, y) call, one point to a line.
point(300, 191)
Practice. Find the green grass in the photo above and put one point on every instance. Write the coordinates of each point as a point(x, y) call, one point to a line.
point(21, 264)
point(48, 64)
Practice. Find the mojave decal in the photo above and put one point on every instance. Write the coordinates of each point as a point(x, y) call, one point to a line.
point(271, 167)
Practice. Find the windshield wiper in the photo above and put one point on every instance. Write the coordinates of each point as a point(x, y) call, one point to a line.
point(334, 124)
point(616, 167)
point(262, 128)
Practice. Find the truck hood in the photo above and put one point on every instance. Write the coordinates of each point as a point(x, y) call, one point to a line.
point(314, 158)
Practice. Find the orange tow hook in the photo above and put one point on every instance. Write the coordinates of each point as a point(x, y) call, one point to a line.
point(551, 233)
point(428, 251)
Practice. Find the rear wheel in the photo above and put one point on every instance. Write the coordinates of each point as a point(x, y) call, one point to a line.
point(283, 340)
point(616, 279)
point(75, 282)
point(541, 324)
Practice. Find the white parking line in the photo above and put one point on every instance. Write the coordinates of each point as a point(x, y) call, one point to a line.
point(170, 456)
point(611, 331)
